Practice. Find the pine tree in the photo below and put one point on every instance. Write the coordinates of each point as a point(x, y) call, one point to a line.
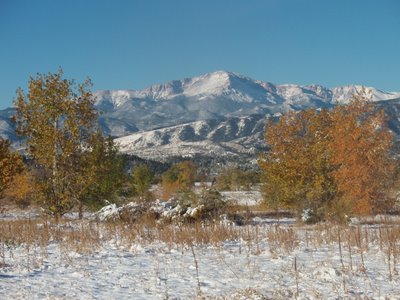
point(102, 174)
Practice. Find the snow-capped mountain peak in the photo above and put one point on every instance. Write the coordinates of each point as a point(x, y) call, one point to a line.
point(219, 112)
point(343, 94)
point(210, 83)
point(239, 89)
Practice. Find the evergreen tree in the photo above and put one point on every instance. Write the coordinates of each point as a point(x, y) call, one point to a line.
point(102, 172)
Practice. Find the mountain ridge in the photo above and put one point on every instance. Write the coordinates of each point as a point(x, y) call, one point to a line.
point(215, 95)
point(207, 113)
point(222, 83)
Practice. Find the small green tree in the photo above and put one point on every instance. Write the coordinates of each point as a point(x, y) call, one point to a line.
point(102, 174)
point(236, 179)
point(180, 177)
point(212, 202)
point(142, 177)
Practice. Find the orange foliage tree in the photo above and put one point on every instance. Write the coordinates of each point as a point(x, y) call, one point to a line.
point(21, 189)
point(10, 164)
point(333, 162)
point(361, 147)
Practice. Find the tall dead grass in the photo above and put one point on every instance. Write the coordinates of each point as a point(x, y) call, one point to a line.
point(352, 242)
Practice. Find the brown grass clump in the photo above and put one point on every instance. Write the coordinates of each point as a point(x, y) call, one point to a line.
point(282, 240)
point(353, 243)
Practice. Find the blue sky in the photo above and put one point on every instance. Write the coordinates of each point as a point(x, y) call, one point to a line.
point(133, 44)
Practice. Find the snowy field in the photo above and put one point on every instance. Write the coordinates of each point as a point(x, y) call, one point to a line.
point(245, 198)
point(267, 261)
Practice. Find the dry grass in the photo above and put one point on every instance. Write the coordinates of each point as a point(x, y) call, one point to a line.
point(352, 242)
point(81, 236)
point(282, 239)
point(356, 244)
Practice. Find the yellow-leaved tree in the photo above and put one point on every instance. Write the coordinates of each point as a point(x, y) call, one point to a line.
point(297, 168)
point(59, 121)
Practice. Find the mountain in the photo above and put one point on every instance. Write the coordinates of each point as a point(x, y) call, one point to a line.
point(7, 128)
point(230, 138)
point(215, 114)
point(213, 96)
point(206, 114)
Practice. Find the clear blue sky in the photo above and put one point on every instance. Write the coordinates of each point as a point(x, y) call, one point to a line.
point(133, 44)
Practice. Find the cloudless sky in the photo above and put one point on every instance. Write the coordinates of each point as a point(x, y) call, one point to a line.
point(133, 44)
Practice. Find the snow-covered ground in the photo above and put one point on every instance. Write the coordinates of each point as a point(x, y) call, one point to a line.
point(246, 198)
point(277, 264)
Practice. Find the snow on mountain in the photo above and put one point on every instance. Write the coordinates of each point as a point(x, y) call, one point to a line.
point(205, 114)
point(220, 111)
point(108, 100)
point(7, 128)
point(214, 84)
point(343, 94)
point(229, 137)
point(217, 95)
point(209, 84)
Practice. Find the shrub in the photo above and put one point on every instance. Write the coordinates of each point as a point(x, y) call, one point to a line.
point(180, 177)
point(236, 179)
point(142, 177)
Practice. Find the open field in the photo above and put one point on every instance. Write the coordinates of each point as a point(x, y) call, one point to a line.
point(87, 259)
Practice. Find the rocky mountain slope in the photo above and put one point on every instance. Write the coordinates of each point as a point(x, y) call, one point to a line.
point(228, 137)
point(213, 96)
point(7, 128)
point(216, 114)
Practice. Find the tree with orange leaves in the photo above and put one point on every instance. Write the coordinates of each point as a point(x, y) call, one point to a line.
point(332, 162)
point(361, 152)
point(11, 164)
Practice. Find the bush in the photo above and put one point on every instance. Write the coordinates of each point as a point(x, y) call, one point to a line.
point(212, 202)
point(179, 178)
point(204, 206)
point(21, 189)
point(142, 177)
point(236, 179)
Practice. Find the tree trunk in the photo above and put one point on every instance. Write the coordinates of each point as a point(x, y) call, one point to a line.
point(56, 198)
